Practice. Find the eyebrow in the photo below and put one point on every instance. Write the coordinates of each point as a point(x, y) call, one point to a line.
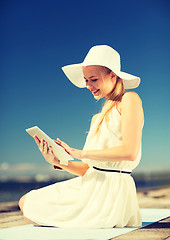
point(90, 77)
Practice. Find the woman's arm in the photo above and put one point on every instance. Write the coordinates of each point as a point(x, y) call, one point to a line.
point(131, 128)
point(75, 167)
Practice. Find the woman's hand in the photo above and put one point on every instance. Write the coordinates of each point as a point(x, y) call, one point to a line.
point(75, 153)
point(46, 151)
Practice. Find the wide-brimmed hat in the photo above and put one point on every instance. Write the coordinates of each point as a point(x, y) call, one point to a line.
point(102, 55)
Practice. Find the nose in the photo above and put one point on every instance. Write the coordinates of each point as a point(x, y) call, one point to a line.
point(89, 85)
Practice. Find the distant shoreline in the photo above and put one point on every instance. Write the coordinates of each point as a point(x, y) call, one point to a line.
point(153, 188)
point(13, 189)
point(158, 197)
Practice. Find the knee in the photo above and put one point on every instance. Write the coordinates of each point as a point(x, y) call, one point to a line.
point(21, 202)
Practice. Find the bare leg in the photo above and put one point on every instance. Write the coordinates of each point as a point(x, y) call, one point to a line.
point(21, 202)
point(21, 205)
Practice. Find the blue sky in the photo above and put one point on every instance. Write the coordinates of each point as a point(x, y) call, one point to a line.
point(39, 37)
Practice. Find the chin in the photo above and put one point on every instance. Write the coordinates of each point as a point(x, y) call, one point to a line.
point(98, 97)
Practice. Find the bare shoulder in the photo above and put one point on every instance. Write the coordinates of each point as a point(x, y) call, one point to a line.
point(131, 97)
point(131, 102)
point(93, 119)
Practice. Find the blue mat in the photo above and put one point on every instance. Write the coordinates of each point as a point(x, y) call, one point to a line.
point(30, 232)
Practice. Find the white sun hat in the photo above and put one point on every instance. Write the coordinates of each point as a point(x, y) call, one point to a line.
point(102, 55)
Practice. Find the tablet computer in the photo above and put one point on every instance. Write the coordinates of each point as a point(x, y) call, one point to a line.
point(58, 151)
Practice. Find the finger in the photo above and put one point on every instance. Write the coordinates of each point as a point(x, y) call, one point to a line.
point(45, 147)
point(67, 151)
point(56, 167)
point(60, 143)
point(63, 144)
point(42, 145)
point(50, 149)
point(37, 140)
point(56, 142)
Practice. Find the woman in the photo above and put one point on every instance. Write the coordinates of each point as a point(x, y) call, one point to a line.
point(104, 194)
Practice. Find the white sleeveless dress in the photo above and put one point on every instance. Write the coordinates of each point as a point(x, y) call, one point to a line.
point(96, 200)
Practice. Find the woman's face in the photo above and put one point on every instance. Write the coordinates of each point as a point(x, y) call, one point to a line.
point(98, 81)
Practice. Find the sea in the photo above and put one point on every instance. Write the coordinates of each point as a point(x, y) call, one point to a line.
point(13, 189)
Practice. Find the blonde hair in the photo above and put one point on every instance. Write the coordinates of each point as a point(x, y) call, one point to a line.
point(115, 96)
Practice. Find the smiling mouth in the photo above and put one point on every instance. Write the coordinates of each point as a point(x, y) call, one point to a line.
point(95, 92)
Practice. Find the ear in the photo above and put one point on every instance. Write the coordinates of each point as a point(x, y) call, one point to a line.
point(112, 75)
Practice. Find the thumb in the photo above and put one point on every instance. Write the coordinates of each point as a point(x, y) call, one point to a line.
point(58, 141)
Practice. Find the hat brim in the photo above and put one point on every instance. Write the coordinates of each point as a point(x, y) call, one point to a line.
point(129, 81)
point(75, 75)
